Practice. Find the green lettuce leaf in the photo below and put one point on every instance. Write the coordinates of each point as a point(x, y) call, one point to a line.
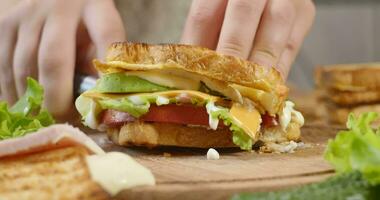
point(122, 83)
point(26, 115)
point(239, 137)
point(357, 149)
point(126, 105)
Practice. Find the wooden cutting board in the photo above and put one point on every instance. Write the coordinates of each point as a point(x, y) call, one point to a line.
point(187, 174)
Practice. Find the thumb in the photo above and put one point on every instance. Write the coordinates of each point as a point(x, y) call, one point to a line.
point(104, 25)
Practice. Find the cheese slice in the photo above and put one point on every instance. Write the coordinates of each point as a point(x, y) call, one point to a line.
point(167, 79)
point(247, 118)
point(116, 171)
point(168, 94)
point(268, 101)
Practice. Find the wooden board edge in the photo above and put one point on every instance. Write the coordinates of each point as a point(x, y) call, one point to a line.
point(218, 190)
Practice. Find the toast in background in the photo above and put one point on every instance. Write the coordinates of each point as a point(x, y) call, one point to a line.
point(55, 174)
point(346, 88)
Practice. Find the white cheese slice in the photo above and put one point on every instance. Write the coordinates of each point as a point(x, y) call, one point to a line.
point(116, 171)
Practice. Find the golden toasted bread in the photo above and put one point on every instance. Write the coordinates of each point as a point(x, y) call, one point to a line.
point(195, 59)
point(354, 98)
point(168, 134)
point(339, 115)
point(348, 77)
point(55, 174)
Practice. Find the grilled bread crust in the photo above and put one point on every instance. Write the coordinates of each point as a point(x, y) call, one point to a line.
point(353, 98)
point(202, 61)
point(339, 115)
point(55, 174)
point(348, 77)
point(167, 134)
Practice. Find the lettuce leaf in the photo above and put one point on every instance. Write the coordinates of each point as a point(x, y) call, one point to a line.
point(27, 115)
point(125, 105)
point(239, 137)
point(357, 149)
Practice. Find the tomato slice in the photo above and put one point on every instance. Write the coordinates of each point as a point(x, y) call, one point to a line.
point(178, 114)
point(269, 121)
point(172, 113)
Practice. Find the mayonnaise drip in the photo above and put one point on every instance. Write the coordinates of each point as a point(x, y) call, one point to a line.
point(288, 113)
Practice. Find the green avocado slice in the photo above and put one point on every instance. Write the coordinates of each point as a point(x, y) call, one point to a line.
point(122, 83)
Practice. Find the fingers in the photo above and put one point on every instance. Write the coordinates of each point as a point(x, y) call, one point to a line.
point(56, 57)
point(8, 38)
point(104, 25)
point(204, 22)
point(239, 27)
point(304, 20)
point(26, 51)
point(273, 32)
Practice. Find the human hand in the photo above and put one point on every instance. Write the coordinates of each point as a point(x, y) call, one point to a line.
point(47, 39)
point(267, 32)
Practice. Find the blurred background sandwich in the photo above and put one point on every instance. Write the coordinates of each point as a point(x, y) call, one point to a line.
point(346, 88)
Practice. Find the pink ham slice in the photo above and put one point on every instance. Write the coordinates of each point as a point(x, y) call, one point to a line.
point(52, 137)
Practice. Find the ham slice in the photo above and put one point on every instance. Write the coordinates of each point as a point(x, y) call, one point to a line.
point(52, 137)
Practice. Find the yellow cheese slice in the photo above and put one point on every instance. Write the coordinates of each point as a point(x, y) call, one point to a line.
point(116, 171)
point(167, 94)
point(247, 118)
point(267, 100)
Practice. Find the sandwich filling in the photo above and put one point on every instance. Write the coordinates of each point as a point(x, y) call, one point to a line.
point(169, 95)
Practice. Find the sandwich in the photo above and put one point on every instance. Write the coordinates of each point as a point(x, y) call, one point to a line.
point(40, 160)
point(188, 96)
point(348, 88)
point(61, 162)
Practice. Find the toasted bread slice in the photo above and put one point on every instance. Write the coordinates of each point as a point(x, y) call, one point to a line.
point(55, 174)
point(339, 115)
point(194, 59)
point(349, 77)
point(167, 134)
point(354, 98)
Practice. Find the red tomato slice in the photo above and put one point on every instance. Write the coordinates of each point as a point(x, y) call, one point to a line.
point(179, 114)
point(172, 113)
point(269, 121)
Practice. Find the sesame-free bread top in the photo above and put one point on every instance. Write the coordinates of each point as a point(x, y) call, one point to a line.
point(199, 60)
